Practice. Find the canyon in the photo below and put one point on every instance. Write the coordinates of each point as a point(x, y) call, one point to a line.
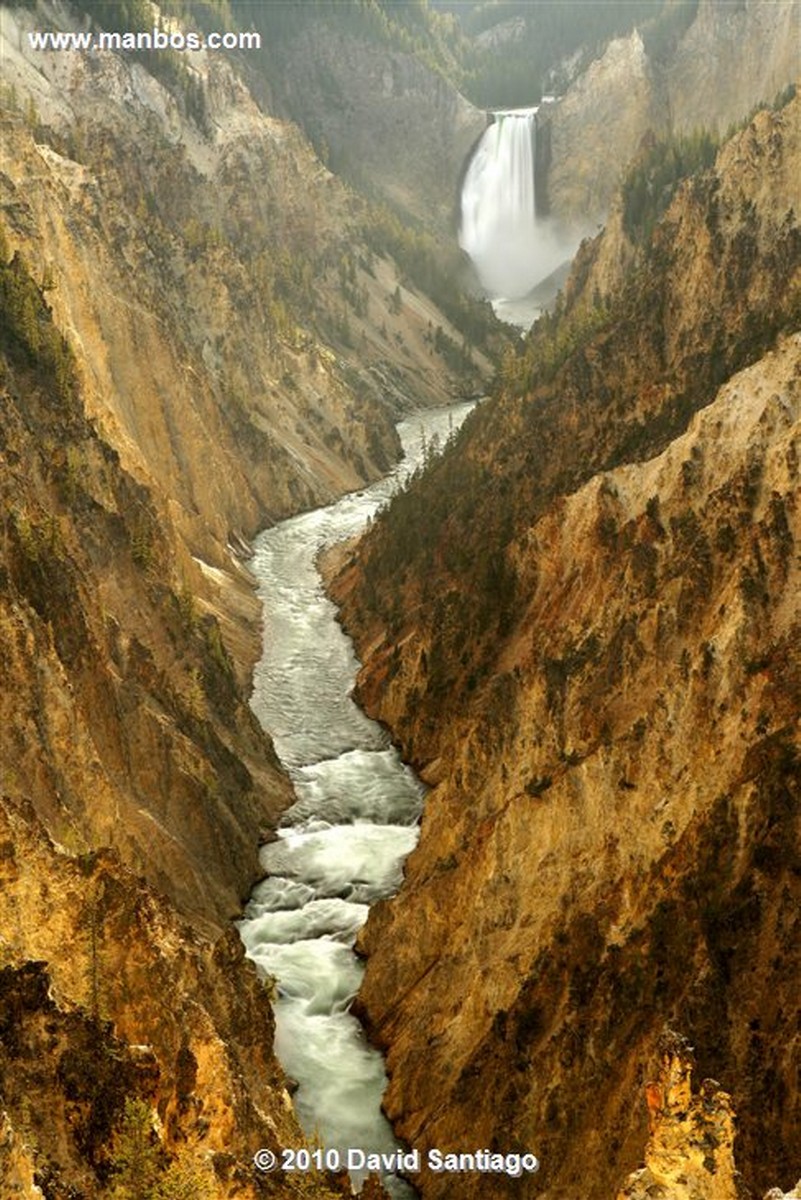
point(222, 283)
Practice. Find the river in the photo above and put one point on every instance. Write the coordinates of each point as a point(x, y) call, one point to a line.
point(342, 845)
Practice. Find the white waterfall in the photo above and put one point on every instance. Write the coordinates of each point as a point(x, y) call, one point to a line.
point(512, 250)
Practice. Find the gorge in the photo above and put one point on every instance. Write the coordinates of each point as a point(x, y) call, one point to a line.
point(224, 280)
point(181, 299)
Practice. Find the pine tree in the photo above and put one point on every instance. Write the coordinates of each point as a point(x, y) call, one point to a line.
point(137, 1159)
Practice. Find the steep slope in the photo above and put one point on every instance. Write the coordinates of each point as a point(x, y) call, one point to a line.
point(583, 625)
point(595, 128)
point(122, 721)
point(663, 80)
point(755, 56)
point(183, 289)
point(372, 86)
point(212, 278)
point(236, 266)
point(125, 1031)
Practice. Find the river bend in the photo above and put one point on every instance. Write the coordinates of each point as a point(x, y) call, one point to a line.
point(342, 845)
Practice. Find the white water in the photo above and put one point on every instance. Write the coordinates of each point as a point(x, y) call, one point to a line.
point(512, 249)
point(342, 844)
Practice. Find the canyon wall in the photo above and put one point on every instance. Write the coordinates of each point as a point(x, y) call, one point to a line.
point(202, 333)
point(128, 1034)
point(386, 117)
point(594, 130)
point(140, 1058)
point(583, 628)
point(731, 58)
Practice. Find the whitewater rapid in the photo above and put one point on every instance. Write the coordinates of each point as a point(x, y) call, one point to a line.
point(342, 845)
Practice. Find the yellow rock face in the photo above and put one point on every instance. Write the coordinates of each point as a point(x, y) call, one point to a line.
point(598, 674)
point(690, 1150)
point(107, 996)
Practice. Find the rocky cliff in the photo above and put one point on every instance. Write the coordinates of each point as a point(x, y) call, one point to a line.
point(384, 114)
point(732, 57)
point(202, 332)
point(232, 262)
point(594, 130)
point(583, 626)
point(662, 80)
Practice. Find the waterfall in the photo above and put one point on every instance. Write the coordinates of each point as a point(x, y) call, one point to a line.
point(511, 248)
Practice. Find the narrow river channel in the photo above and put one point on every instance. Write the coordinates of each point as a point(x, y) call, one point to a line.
point(342, 845)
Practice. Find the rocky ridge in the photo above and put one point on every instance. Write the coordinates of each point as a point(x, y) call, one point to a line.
point(589, 648)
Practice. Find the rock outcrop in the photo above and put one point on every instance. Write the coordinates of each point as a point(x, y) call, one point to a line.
point(690, 1150)
point(583, 627)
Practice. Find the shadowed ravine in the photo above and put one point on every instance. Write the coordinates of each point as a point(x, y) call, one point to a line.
point(342, 845)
